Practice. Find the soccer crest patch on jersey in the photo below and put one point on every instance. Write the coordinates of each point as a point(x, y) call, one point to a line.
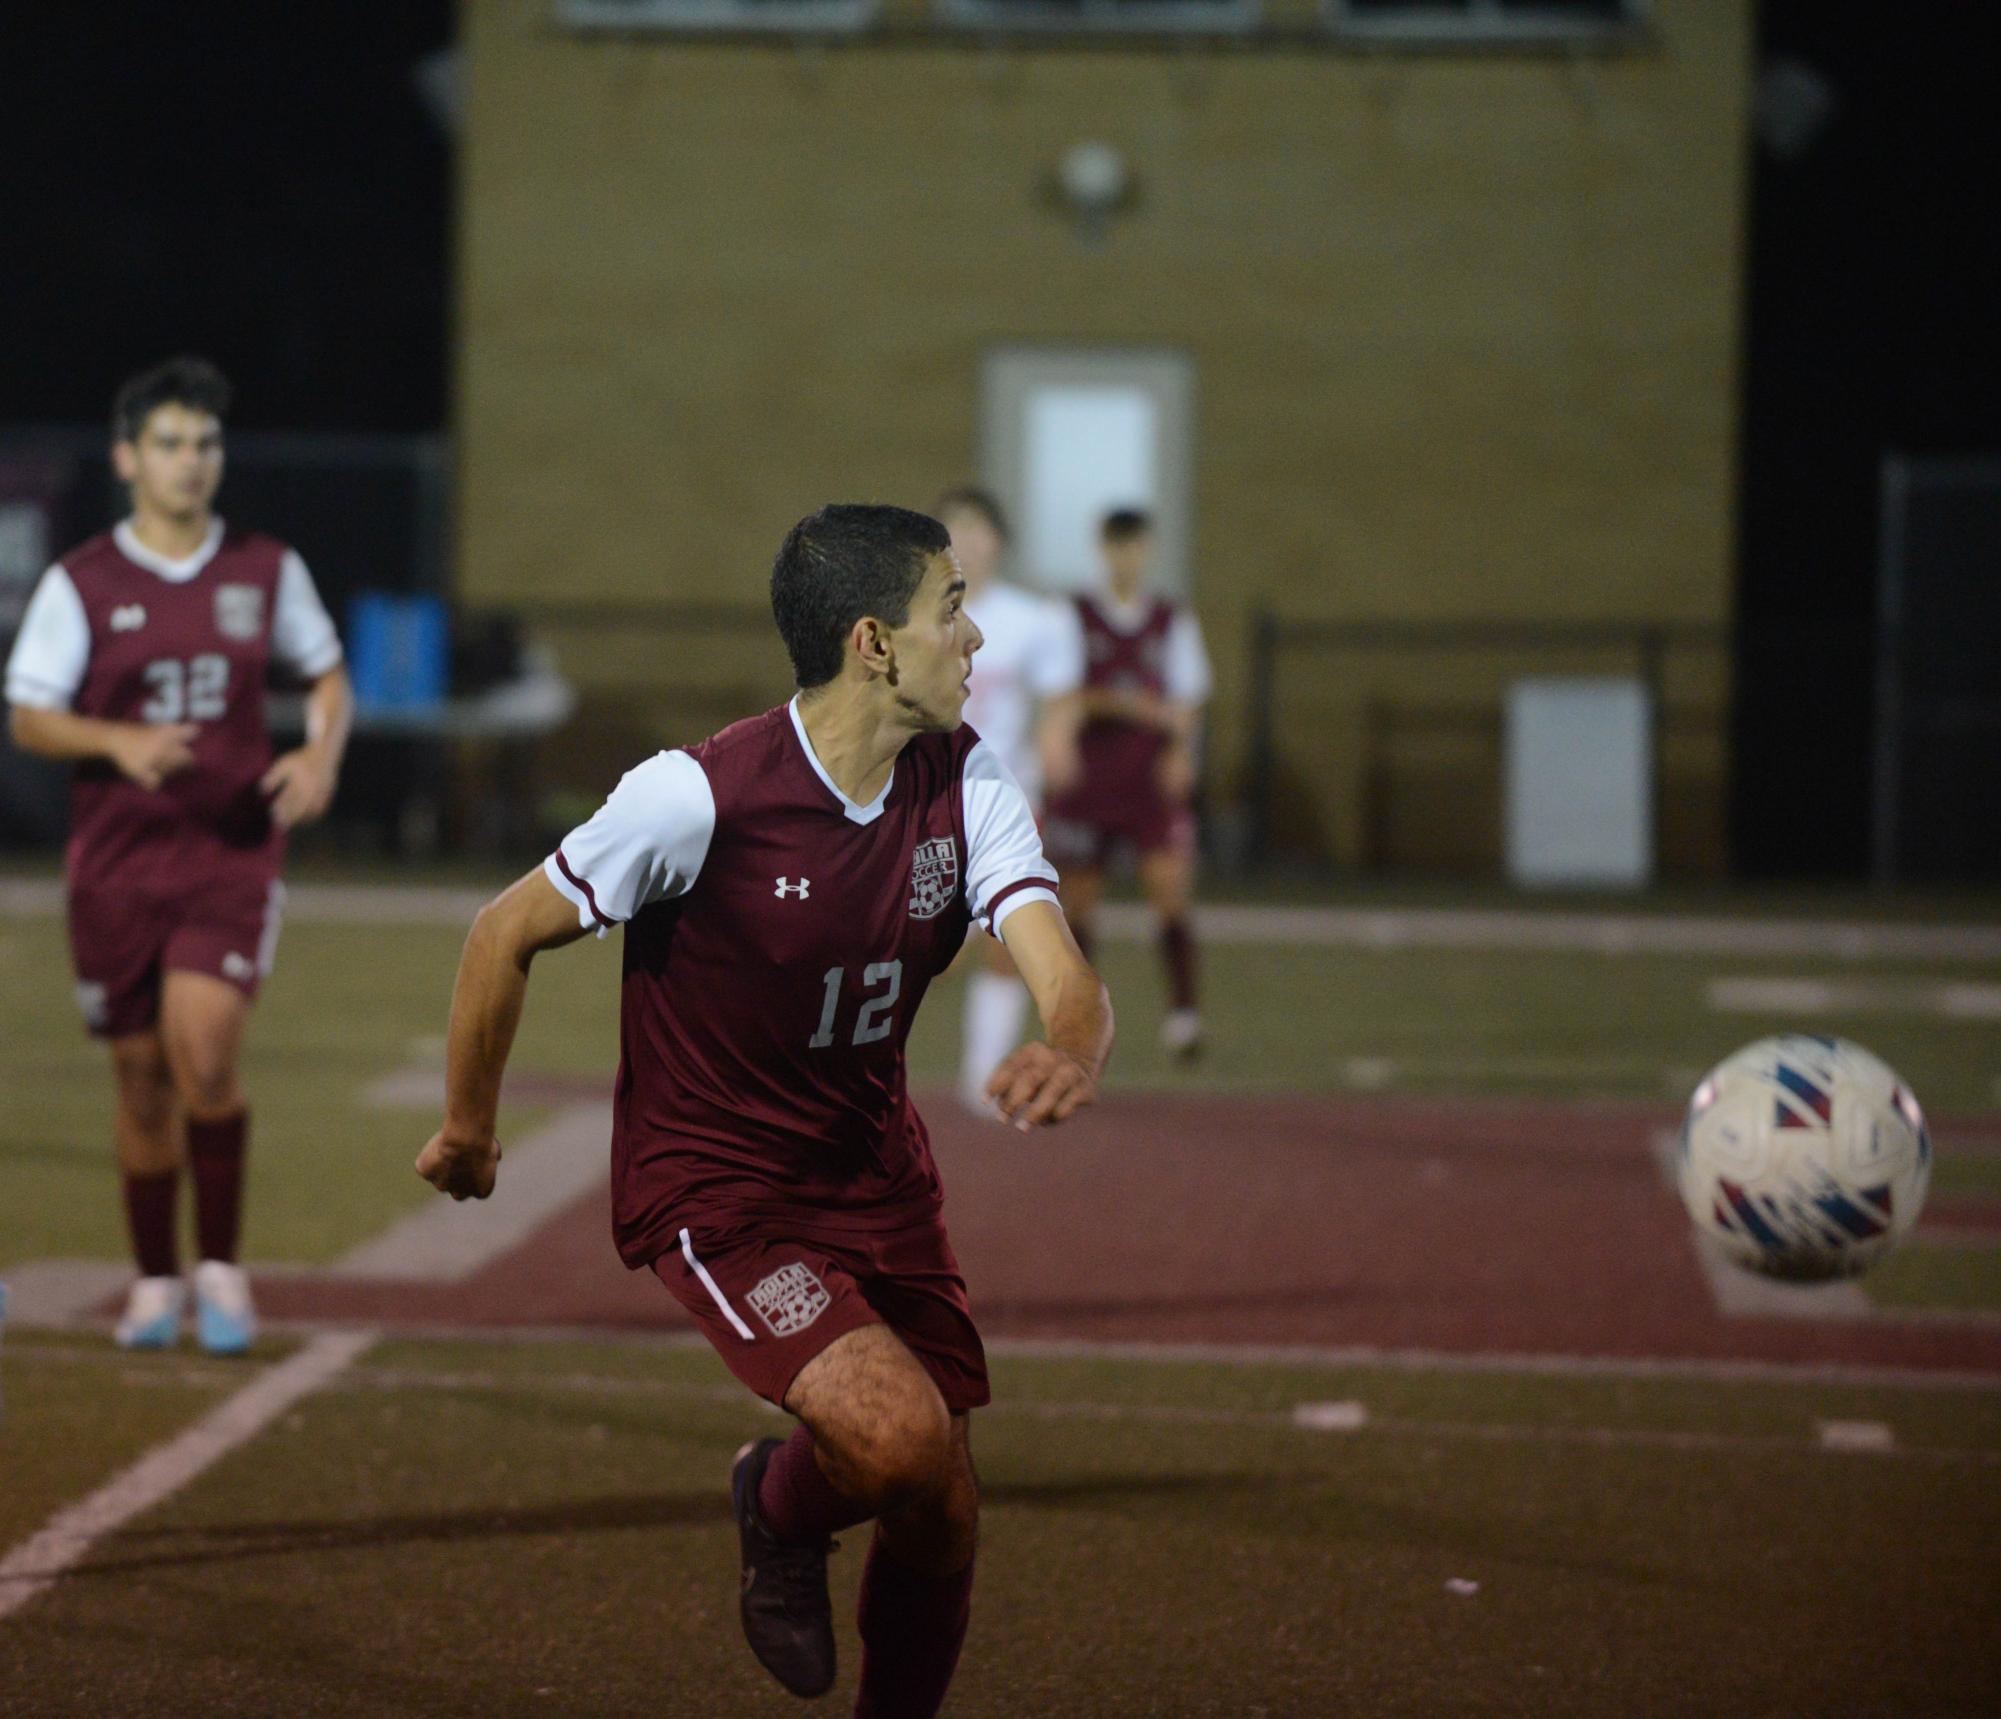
point(934, 877)
point(239, 611)
point(789, 1300)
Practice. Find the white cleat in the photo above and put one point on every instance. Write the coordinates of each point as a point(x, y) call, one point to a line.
point(225, 1322)
point(153, 1314)
point(1181, 1035)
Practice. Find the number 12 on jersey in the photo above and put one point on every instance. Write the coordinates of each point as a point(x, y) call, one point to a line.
point(873, 1020)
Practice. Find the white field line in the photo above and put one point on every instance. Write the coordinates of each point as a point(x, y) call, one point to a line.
point(1352, 1418)
point(1324, 927)
point(446, 1241)
point(38, 1562)
point(1532, 1364)
point(1778, 996)
point(1226, 1355)
point(1873, 1436)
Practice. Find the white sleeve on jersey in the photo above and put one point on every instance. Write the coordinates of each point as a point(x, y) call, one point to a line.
point(52, 650)
point(302, 634)
point(1004, 847)
point(646, 843)
point(1188, 676)
point(1056, 665)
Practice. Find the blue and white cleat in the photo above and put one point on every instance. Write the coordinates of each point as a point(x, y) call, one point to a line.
point(153, 1314)
point(225, 1322)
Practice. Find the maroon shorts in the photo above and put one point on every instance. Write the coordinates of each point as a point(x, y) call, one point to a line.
point(1086, 828)
point(123, 943)
point(769, 1306)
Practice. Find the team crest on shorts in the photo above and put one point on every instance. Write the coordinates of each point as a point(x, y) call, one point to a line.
point(789, 1300)
point(94, 1002)
point(239, 611)
point(934, 877)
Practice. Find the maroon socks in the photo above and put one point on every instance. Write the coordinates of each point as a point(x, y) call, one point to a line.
point(797, 1500)
point(912, 1625)
point(149, 1215)
point(1177, 954)
point(912, 1629)
point(215, 1155)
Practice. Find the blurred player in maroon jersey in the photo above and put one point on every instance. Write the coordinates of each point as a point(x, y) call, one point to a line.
point(788, 889)
point(1146, 678)
point(142, 658)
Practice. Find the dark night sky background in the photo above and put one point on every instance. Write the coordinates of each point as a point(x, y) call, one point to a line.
point(258, 182)
point(1874, 326)
point(266, 184)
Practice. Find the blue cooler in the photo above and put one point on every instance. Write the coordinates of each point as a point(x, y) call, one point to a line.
point(398, 650)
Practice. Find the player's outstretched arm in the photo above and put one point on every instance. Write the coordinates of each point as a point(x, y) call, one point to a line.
point(509, 932)
point(1051, 1080)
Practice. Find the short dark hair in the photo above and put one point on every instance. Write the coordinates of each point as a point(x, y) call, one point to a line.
point(970, 498)
point(1123, 524)
point(187, 381)
point(842, 563)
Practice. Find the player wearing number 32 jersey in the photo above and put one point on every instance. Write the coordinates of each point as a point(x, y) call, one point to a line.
point(788, 889)
point(142, 660)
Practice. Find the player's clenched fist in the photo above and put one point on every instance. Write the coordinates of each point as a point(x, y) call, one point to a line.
point(300, 788)
point(462, 1168)
point(1039, 1085)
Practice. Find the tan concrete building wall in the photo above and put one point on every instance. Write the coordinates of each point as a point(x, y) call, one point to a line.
point(1464, 332)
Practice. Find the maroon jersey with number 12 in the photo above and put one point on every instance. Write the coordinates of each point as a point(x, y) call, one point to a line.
point(779, 939)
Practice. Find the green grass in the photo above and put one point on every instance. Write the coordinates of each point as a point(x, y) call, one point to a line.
point(75, 1414)
point(1944, 1277)
point(1965, 1172)
point(350, 1003)
point(1551, 1025)
point(346, 1005)
point(532, 1529)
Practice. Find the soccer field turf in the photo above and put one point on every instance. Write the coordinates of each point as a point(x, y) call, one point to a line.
point(536, 1528)
point(538, 1524)
point(352, 1003)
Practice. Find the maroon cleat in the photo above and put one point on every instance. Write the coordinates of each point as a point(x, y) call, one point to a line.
point(786, 1615)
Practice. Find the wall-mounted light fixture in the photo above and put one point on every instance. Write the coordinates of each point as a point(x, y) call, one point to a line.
point(1094, 182)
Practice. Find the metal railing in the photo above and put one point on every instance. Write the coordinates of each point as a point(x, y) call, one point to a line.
point(1647, 646)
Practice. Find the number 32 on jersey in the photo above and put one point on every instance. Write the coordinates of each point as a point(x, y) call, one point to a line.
point(875, 1017)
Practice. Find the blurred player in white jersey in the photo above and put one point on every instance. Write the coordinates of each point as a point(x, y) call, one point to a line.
point(1033, 662)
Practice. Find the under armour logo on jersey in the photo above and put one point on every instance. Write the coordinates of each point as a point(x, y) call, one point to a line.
point(239, 967)
point(128, 617)
point(787, 887)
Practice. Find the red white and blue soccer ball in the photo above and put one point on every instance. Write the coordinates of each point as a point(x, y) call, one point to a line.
point(1804, 1157)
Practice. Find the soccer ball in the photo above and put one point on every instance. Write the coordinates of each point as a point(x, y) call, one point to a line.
point(1804, 1157)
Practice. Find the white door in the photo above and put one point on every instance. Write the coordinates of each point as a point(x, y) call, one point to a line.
point(1067, 435)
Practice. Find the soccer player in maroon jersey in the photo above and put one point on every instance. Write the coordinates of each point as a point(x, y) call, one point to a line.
point(788, 889)
point(142, 659)
point(1146, 678)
